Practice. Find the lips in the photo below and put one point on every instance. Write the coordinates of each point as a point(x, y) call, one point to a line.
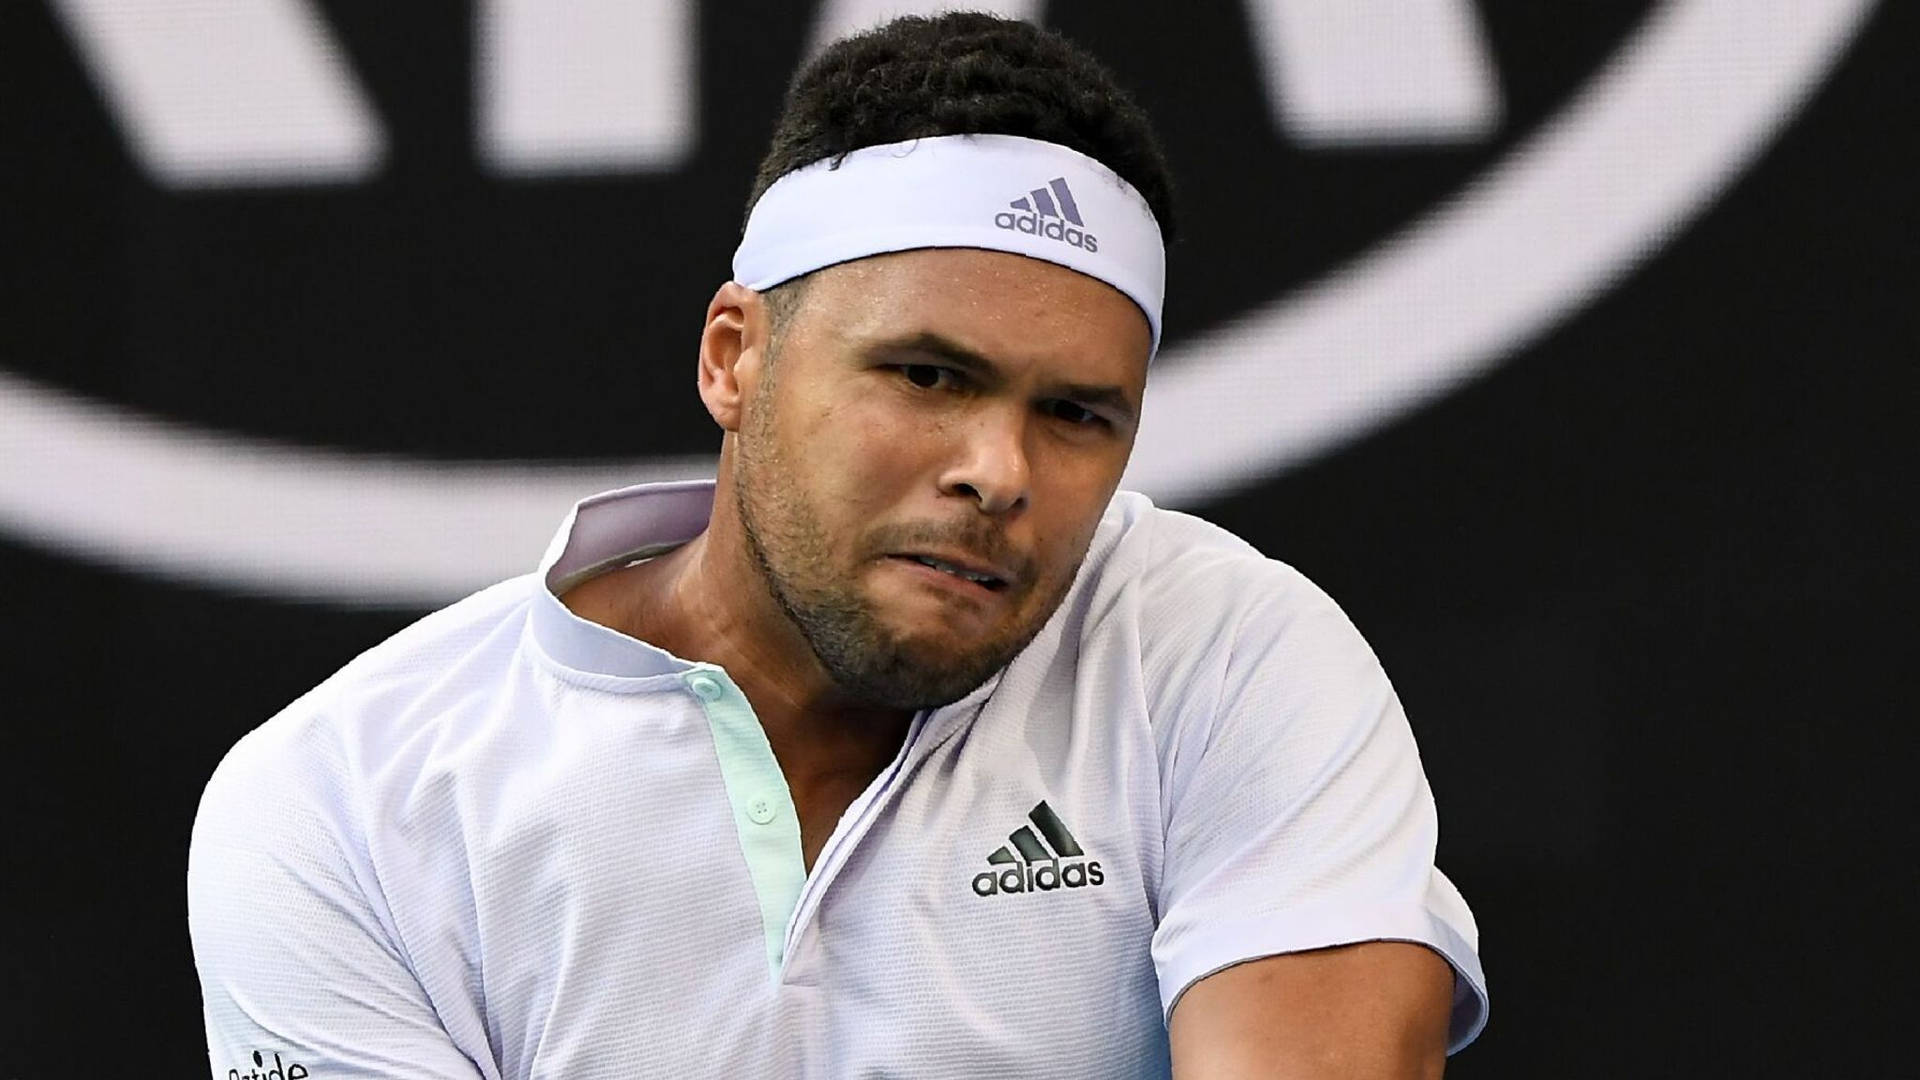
point(962, 568)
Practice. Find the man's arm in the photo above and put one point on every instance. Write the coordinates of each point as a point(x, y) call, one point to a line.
point(1376, 1010)
point(295, 962)
point(1304, 929)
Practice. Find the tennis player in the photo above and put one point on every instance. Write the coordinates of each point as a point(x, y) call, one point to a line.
point(909, 746)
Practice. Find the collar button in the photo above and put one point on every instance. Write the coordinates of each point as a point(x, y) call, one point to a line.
point(705, 687)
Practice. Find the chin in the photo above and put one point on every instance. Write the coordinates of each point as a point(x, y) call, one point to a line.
point(945, 637)
point(937, 647)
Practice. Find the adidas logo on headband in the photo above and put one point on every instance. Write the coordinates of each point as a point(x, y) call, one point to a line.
point(1050, 212)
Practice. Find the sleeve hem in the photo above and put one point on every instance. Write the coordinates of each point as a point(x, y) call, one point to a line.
point(1224, 945)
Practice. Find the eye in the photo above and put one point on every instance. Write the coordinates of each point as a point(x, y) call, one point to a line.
point(1061, 409)
point(927, 376)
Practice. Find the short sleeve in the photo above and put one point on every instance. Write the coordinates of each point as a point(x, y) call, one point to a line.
point(297, 970)
point(1298, 816)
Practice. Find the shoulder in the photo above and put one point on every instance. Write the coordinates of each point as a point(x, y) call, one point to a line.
point(1191, 583)
point(1207, 613)
point(307, 759)
point(486, 624)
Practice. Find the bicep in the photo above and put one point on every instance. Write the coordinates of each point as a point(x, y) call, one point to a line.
point(1376, 1009)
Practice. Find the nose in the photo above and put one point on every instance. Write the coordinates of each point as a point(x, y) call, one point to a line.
point(991, 467)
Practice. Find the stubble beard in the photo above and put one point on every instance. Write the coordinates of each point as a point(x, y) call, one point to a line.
point(794, 557)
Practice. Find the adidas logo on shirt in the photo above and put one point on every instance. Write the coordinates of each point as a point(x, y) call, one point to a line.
point(1050, 212)
point(1038, 867)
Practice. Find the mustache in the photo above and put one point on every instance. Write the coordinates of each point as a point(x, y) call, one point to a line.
point(978, 540)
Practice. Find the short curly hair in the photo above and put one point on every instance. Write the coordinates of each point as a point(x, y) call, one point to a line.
point(964, 73)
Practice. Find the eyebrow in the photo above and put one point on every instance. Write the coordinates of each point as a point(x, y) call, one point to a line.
point(982, 367)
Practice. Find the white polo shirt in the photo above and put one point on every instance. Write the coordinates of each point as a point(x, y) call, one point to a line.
point(509, 842)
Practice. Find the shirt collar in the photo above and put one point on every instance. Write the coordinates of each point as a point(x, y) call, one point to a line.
point(602, 532)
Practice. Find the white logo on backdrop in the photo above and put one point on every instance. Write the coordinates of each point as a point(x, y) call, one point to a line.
point(1682, 107)
point(235, 93)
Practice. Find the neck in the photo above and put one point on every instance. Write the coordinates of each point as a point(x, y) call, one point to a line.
point(707, 601)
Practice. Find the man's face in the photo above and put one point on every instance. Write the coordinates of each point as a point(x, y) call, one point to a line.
point(921, 467)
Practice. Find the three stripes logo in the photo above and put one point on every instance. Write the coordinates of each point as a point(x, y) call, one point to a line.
point(1044, 861)
point(1049, 211)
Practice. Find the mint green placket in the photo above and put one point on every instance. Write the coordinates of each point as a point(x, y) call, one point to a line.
point(763, 814)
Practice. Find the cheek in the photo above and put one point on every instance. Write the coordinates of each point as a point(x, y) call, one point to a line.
point(853, 463)
point(1071, 493)
point(873, 449)
point(1063, 541)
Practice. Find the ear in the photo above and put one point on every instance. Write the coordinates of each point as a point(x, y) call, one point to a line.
point(733, 352)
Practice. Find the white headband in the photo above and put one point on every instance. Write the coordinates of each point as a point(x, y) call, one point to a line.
point(998, 192)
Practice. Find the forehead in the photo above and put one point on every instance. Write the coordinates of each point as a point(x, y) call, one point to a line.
point(1007, 307)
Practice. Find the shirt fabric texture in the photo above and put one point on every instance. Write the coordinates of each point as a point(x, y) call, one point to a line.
point(509, 842)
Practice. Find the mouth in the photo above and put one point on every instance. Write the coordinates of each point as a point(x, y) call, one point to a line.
point(984, 577)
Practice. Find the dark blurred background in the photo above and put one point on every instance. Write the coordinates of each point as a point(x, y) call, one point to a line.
point(318, 314)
